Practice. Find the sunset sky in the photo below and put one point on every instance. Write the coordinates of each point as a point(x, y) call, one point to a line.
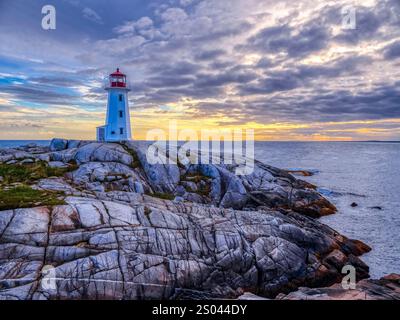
point(287, 69)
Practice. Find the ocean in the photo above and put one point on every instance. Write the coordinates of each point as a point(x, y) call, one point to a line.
point(365, 173)
point(17, 143)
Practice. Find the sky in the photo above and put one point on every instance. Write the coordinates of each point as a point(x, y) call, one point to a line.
point(290, 70)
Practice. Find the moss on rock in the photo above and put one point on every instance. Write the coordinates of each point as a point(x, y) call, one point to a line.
point(162, 195)
point(25, 197)
point(30, 172)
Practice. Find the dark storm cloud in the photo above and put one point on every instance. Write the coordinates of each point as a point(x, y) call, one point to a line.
point(369, 23)
point(282, 82)
point(303, 67)
point(174, 69)
point(36, 94)
point(236, 111)
point(221, 79)
point(61, 81)
point(392, 51)
point(367, 26)
point(301, 76)
point(264, 63)
point(190, 80)
point(209, 55)
point(342, 105)
point(316, 34)
point(240, 28)
point(310, 38)
point(169, 95)
point(169, 81)
point(382, 102)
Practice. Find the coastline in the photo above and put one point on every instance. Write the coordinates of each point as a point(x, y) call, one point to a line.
point(99, 182)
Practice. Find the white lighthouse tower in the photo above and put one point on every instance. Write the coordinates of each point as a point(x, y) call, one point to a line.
point(118, 123)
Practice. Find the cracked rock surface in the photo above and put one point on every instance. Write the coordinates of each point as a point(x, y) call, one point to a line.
point(118, 237)
point(158, 249)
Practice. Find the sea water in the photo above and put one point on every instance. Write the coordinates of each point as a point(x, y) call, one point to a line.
point(364, 173)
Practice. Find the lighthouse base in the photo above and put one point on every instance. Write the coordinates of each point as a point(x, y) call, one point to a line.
point(102, 136)
point(101, 133)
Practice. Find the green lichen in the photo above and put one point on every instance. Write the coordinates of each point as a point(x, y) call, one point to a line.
point(135, 159)
point(194, 177)
point(25, 197)
point(204, 190)
point(202, 182)
point(162, 195)
point(30, 172)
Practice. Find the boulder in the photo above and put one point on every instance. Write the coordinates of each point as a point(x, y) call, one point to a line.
point(73, 144)
point(111, 175)
point(386, 288)
point(58, 144)
point(27, 161)
point(58, 164)
point(63, 156)
point(161, 177)
point(55, 184)
point(103, 152)
point(219, 184)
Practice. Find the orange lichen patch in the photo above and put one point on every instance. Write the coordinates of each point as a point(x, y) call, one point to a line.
point(303, 173)
point(392, 277)
point(82, 244)
point(310, 185)
point(357, 247)
point(327, 211)
point(317, 208)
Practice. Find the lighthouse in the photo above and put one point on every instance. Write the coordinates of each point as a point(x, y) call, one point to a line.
point(118, 124)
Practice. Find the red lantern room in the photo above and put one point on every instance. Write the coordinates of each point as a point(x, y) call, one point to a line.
point(117, 79)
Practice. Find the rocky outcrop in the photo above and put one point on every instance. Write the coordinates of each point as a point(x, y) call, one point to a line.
point(153, 248)
point(386, 288)
point(124, 167)
point(133, 230)
point(58, 144)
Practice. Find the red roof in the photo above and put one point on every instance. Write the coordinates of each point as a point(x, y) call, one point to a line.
point(117, 73)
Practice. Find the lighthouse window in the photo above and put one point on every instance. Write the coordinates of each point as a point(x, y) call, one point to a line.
point(121, 130)
point(120, 97)
point(121, 114)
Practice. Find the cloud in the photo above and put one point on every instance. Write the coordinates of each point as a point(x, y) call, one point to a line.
point(303, 75)
point(174, 15)
point(226, 62)
point(210, 54)
point(392, 51)
point(185, 2)
point(342, 105)
point(38, 94)
point(284, 39)
point(143, 23)
point(92, 15)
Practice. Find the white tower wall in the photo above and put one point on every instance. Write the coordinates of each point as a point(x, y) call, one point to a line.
point(118, 124)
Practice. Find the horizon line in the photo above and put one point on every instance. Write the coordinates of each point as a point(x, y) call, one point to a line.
point(140, 140)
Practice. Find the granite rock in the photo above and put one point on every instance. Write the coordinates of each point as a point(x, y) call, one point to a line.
point(386, 288)
point(118, 238)
point(158, 249)
point(58, 144)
